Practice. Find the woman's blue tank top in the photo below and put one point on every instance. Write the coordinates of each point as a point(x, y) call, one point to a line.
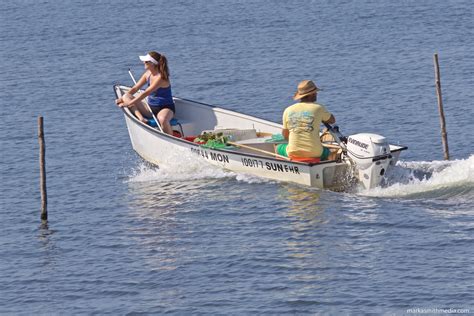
point(160, 97)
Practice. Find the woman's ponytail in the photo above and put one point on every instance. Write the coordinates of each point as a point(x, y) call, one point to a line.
point(162, 65)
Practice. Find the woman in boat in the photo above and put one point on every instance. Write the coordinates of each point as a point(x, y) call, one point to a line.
point(301, 126)
point(158, 92)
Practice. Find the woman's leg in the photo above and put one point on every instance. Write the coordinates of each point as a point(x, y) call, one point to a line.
point(165, 116)
point(134, 108)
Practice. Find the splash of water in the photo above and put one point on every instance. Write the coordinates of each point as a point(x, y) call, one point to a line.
point(436, 179)
point(185, 167)
point(179, 168)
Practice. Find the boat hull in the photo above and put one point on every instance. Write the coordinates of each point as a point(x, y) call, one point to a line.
point(159, 148)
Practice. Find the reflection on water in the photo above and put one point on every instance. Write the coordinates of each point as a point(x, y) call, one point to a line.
point(307, 250)
point(153, 207)
point(48, 246)
point(303, 205)
point(154, 199)
point(162, 197)
point(322, 235)
point(306, 220)
point(163, 224)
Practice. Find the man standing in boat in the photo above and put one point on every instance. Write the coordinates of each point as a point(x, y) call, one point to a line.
point(301, 123)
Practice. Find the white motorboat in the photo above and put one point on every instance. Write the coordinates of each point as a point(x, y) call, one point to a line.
point(362, 158)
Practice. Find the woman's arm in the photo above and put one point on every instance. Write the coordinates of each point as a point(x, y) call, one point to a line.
point(138, 85)
point(154, 84)
point(120, 101)
point(134, 89)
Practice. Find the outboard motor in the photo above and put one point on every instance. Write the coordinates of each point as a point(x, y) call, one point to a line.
point(371, 156)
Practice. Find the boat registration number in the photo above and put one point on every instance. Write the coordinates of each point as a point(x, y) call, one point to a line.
point(271, 166)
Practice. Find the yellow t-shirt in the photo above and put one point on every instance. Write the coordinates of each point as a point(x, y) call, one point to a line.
point(303, 120)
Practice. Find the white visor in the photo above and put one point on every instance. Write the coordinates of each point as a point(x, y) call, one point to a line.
point(147, 57)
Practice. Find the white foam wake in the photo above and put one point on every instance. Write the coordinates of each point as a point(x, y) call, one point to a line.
point(185, 166)
point(436, 178)
point(180, 167)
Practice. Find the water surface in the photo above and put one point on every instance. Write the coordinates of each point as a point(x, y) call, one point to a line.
point(124, 238)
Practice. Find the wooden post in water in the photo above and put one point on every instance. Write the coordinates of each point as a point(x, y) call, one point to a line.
point(44, 198)
point(444, 135)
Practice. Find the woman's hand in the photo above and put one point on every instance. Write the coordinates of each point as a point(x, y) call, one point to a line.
point(123, 105)
point(121, 102)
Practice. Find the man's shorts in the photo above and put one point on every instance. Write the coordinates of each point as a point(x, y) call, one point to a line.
point(281, 150)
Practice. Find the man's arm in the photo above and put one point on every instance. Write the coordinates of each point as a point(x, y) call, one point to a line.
point(286, 133)
point(331, 120)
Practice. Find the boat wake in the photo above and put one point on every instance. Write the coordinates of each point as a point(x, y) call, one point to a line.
point(421, 179)
point(185, 167)
point(408, 179)
point(179, 169)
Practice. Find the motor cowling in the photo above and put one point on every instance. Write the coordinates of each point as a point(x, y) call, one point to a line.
point(371, 156)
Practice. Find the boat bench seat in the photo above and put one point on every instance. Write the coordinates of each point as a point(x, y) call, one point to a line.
point(184, 126)
point(174, 123)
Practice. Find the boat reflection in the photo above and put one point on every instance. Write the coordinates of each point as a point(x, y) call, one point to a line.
point(158, 224)
point(306, 217)
point(307, 251)
point(153, 207)
point(303, 206)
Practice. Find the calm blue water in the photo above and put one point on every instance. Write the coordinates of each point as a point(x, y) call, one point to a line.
point(124, 238)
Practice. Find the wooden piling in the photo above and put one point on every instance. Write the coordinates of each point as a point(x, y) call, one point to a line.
point(44, 198)
point(444, 134)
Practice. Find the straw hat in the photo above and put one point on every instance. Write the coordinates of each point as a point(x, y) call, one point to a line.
point(305, 87)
